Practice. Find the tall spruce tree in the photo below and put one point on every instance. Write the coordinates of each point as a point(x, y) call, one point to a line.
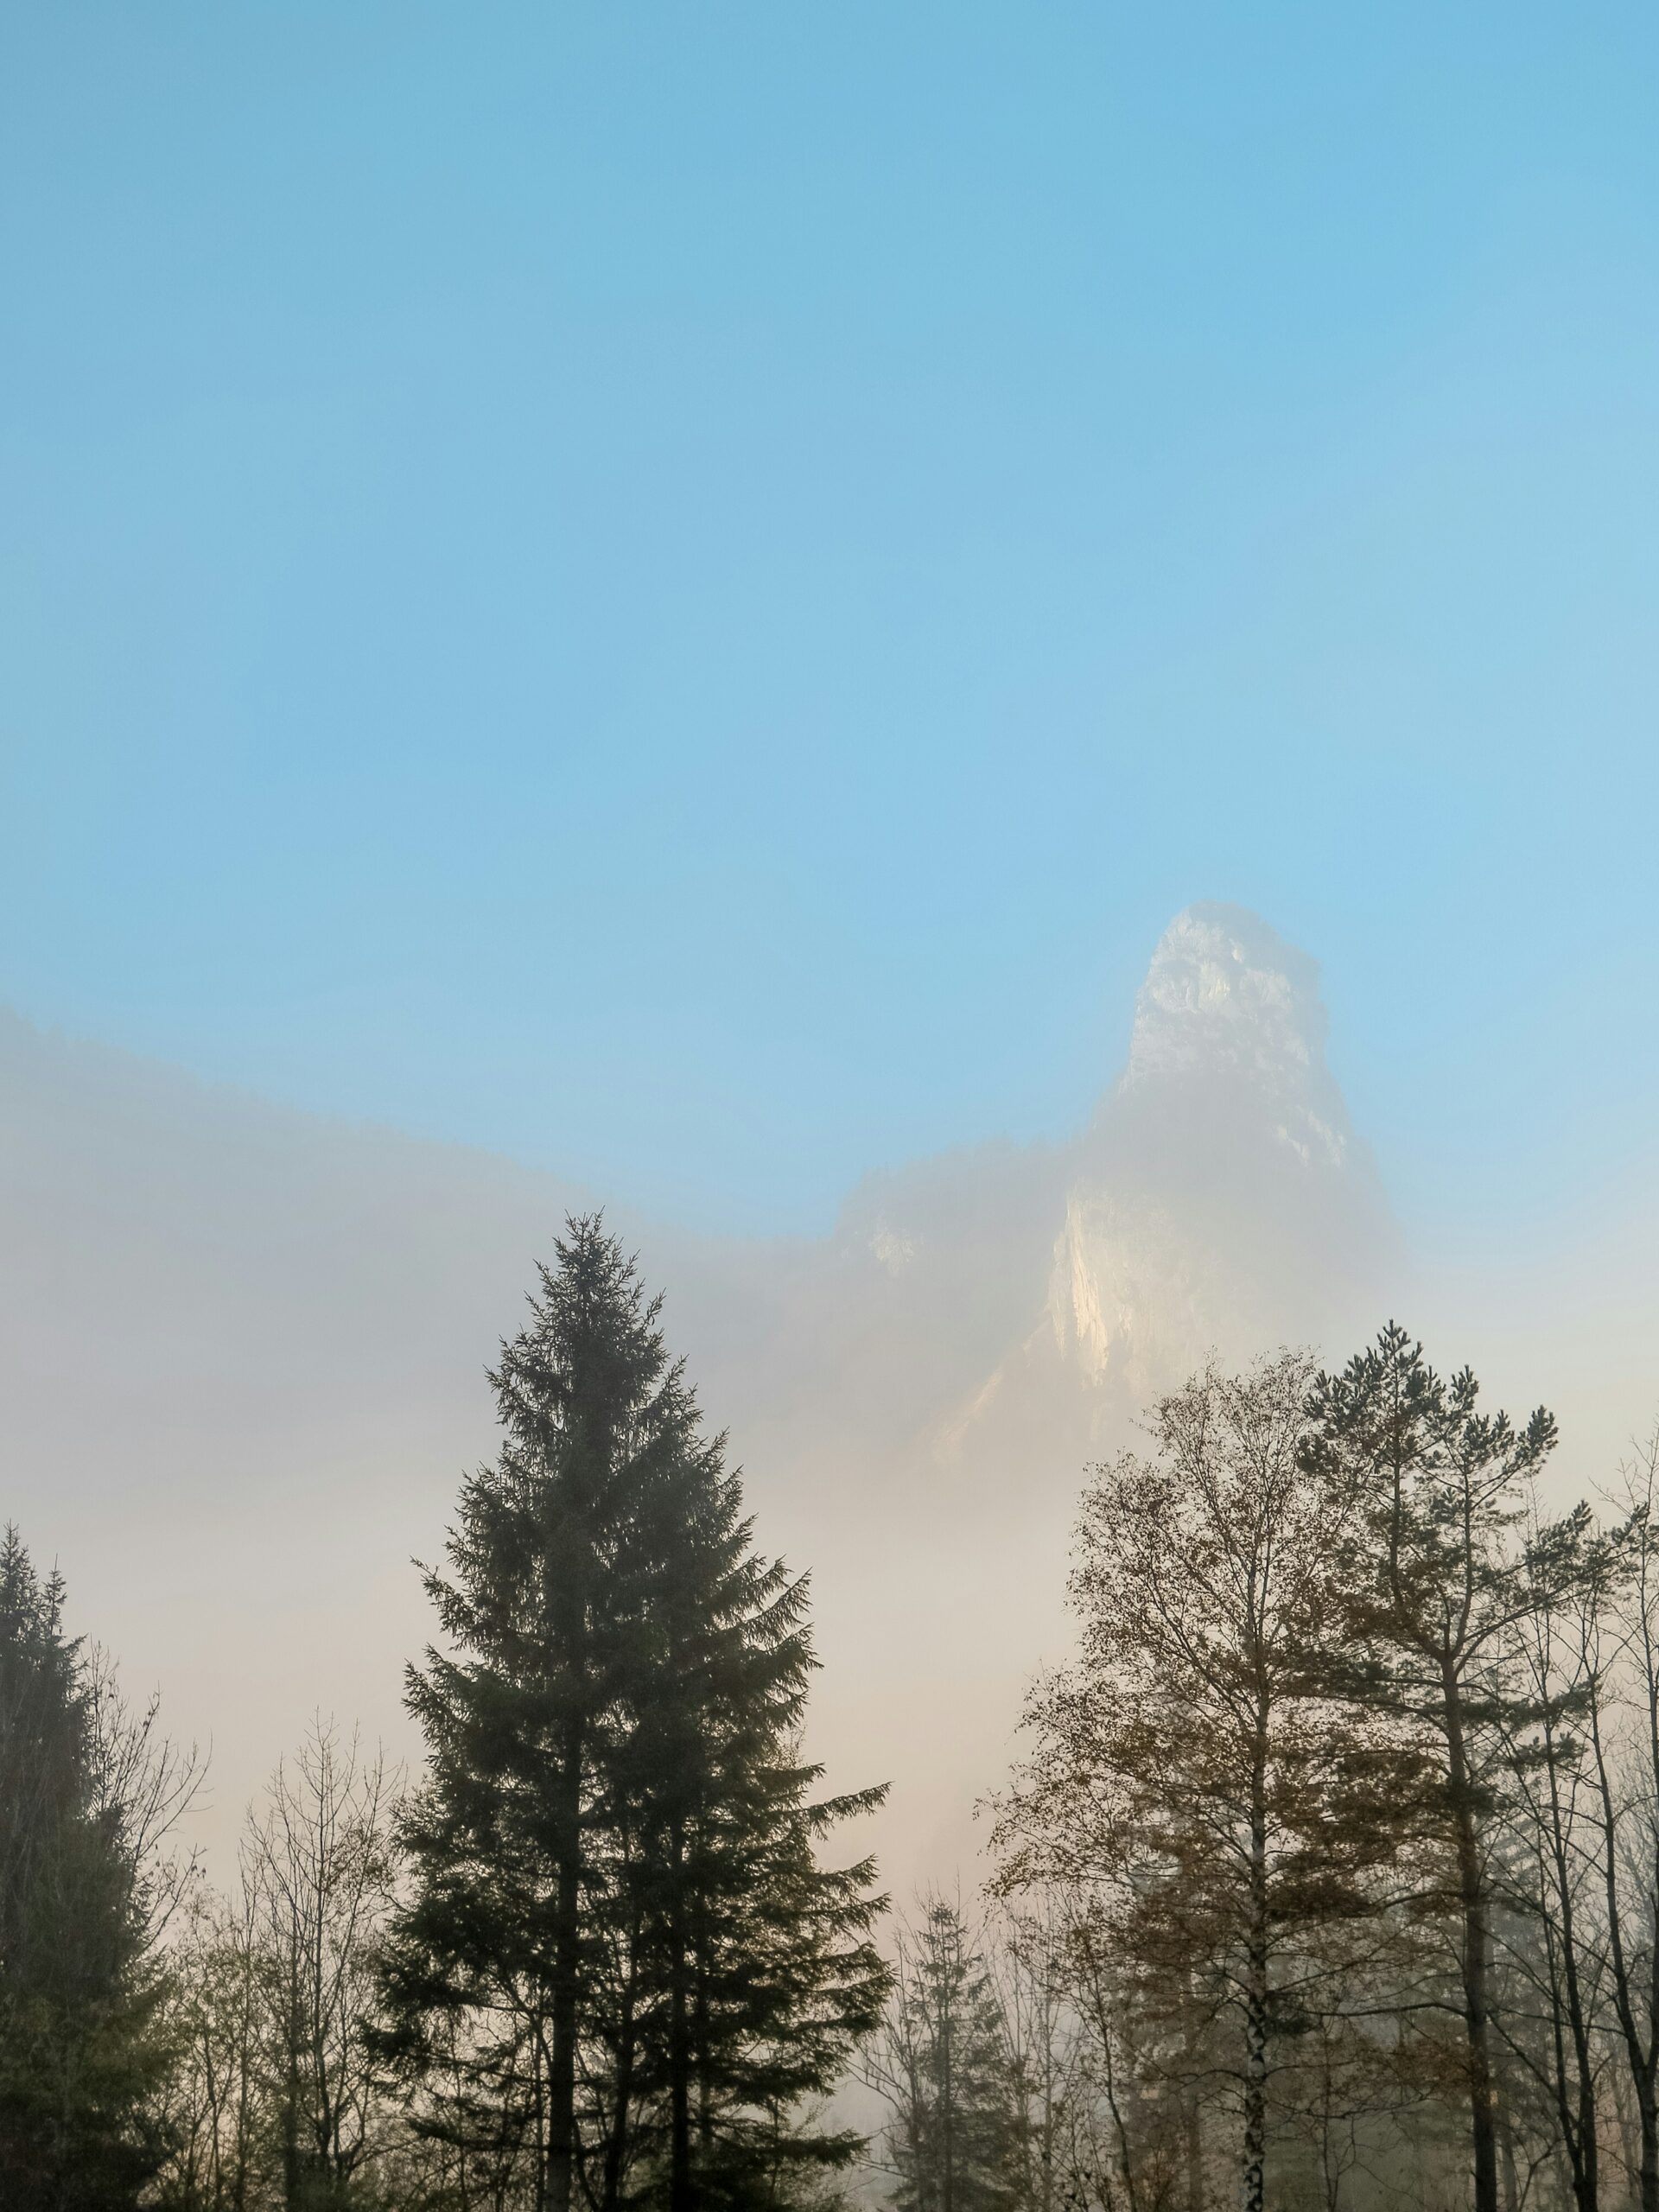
point(758, 1958)
point(77, 2057)
point(620, 1950)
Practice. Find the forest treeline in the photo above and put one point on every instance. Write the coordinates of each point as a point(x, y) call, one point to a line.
point(1327, 1875)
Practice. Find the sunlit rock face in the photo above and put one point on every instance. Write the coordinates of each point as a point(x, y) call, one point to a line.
point(1011, 1306)
point(1226, 999)
point(1220, 1201)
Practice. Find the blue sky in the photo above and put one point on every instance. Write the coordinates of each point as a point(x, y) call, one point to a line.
point(681, 591)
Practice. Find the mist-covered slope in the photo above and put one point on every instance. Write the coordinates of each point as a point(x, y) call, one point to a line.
point(241, 1354)
point(1004, 1307)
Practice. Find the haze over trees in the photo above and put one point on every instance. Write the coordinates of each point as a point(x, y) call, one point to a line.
point(1340, 1809)
point(324, 1357)
point(1326, 1874)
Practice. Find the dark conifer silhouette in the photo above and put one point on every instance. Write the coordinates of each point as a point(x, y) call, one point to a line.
point(619, 1948)
point(1439, 1579)
point(946, 2065)
point(84, 1794)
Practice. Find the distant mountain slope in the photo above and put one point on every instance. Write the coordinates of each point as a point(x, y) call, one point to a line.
point(241, 1355)
point(1003, 1304)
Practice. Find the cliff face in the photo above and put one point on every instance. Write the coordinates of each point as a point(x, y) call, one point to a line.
point(1220, 1201)
point(1007, 1311)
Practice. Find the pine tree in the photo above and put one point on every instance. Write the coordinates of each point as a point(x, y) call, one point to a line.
point(1436, 1578)
point(619, 1952)
point(78, 2059)
point(516, 1837)
point(945, 2065)
point(763, 1968)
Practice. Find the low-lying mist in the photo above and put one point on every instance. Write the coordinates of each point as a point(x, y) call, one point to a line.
point(244, 1357)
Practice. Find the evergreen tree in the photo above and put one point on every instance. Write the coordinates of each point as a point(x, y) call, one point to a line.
point(620, 1953)
point(761, 1960)
point(78, 2059)
point(1437, 1579)
point(945, 2065)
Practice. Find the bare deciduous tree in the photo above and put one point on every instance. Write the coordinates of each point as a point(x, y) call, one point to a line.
point(318, 1866)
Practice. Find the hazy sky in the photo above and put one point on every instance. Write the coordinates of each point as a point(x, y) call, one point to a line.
point(682, 591)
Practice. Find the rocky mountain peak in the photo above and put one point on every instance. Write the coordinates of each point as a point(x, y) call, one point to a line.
point(1227, 1005)
point(1222, 989)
